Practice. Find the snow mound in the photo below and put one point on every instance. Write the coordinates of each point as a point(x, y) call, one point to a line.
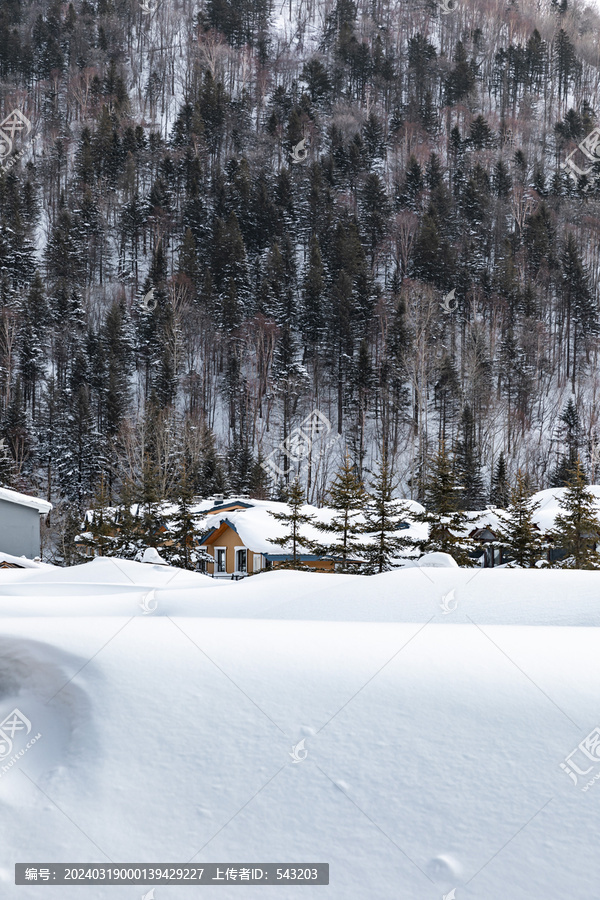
point(444, 869)
point(101, 575)
point(437, 561)
point(153, 557)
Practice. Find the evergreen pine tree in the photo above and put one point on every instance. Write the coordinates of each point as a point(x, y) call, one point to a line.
point(188, 257)
point(348, 498)
point(375, 211)
point(580, 305)
point(259, 486)
point(468, 465)
point(571, 434)
point(577, 527)
point(412, 186)
point(312, 318)
point(116, 350)
point(239, 466)
point(183, 528)
point(481, 133)
point(428, 113)
point(501, 180)
point(79, 458)
point(208, 474)
point(99, 528)
point(500, 488)
point(518, 533)
point(150, 522)
point(293, 540)
point(382, 516)
point(432, 257)
point(128, 537)
point(447, 522)
point(461, 79)
point(32, 340)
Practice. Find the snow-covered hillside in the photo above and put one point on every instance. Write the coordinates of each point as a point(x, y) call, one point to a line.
point(435, 705)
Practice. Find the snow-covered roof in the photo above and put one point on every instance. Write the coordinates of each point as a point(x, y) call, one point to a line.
point(10, 496)
point(198, 509)
point(549, 499)
point(22, 562)
point(543, 517)
point(255, 525)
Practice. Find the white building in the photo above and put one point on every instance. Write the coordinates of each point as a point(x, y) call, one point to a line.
point(20, 523)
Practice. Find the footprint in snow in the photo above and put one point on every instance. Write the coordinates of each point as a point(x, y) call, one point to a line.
point(444, 868)
point(37, 737)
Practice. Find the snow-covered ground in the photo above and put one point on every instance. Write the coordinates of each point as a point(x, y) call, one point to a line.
point(436, 707)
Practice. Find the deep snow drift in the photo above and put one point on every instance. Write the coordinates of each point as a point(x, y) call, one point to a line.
point(436, 708)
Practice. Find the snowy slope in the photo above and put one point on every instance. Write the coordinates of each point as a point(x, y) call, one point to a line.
point(436, 708)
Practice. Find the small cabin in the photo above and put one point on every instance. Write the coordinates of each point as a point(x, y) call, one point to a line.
point(492, 552)
point(235, 558)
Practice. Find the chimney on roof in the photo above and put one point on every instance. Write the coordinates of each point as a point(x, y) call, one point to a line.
point(218, 498)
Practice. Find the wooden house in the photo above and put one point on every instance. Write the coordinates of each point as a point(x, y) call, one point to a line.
point(239, 533)
point(234, 556)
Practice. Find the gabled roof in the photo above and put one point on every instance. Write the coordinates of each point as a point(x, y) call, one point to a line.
point(227, 506)
point(485, 533)
point(218, 529)
point(254, 526)
point(42, 506)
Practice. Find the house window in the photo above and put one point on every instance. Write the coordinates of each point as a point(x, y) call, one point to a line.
point(220, 560)
point(241, 556)
point(258, 562)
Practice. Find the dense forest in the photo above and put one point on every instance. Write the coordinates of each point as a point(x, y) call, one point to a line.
point(218, 218)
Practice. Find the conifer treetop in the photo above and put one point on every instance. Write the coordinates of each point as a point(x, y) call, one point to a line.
point(294, 519)
point(348, 498)
point(518, 531)
point(577, 527)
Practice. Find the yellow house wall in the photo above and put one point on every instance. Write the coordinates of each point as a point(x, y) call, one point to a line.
point(322, 565)
point(231, 541)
